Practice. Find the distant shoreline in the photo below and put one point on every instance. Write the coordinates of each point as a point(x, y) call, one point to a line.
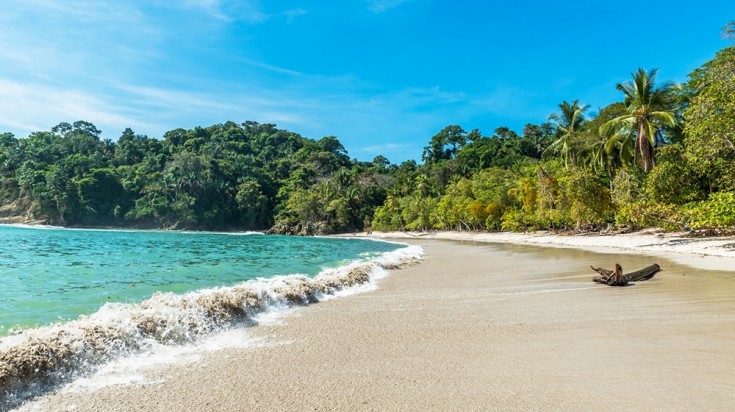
point(43, 225)
point(646, 241)
point(714, 253)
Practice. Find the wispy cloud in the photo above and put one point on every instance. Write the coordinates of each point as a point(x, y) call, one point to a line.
point(380, 6)
point(249, 11)
point(292, 14)
point(46, 39)
point(368, 121)
point(122, 64)
point(270, 67)
point(28, 108)
point(90, 11)
point(382, 148)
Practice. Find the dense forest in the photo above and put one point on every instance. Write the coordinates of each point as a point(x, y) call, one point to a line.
point(663, 156)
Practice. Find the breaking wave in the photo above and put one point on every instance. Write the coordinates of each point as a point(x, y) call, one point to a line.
point(36, 360)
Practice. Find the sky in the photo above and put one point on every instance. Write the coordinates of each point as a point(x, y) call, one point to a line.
point(381, 75)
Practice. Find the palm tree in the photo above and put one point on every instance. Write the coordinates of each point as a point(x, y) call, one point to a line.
point(609, 154)
point(647, 115)
point(569, 122)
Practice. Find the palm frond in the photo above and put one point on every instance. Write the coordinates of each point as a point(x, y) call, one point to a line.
point(664, 118)
point(614, 126)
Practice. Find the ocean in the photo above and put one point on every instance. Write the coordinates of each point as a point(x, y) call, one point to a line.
point(73, 299)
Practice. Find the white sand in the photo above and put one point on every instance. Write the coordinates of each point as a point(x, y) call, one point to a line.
point(704, 253)
point(474, 327)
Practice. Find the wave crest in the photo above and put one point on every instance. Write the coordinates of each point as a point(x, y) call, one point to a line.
point(34, 360)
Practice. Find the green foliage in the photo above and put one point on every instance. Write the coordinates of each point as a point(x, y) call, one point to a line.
point(445, 144)
point(710, 131)
point(256, 176)
point(101, 196)
point(388, 216)
point(648, 112)
point(626, 187)
point(253, 204)
point(672, 181)
point(589, 199)
point(219, 177)
point(517, 221)
point(716, 212)
point(649, 214)
point(491, 189)
point(569, 122)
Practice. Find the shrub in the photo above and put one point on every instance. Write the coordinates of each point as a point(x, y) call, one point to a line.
point(650, 214)
point(716, 212)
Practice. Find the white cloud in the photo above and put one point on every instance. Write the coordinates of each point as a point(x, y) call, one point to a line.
point(28, 108)
point(112, 106)
point(369, 122)
point(380, 6)
point(110, 65)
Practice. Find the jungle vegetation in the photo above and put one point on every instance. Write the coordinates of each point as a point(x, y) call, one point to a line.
point(662, 156)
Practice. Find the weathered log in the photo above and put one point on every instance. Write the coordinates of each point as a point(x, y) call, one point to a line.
point(616, 278)
point(604, 272)
point(609, 277)
point(643, 274)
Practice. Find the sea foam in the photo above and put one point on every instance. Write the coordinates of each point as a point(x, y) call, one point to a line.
point(33, 361)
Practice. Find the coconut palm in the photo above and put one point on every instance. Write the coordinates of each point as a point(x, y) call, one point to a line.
point(608, 154)
point(569, 122)
point(648, 113)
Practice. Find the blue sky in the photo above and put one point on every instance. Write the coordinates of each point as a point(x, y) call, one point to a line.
point(381, 75)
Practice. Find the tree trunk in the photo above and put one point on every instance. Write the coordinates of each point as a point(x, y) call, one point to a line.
point(616, 278)
point(646, 148)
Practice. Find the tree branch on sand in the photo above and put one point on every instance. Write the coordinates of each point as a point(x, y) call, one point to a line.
point(617, 278)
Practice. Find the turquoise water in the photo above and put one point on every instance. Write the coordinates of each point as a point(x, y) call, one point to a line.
point(48, 275)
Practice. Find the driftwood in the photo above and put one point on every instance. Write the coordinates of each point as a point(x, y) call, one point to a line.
point(617, 278)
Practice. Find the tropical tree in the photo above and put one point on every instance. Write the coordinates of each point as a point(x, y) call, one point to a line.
point(710, 127)
point(569, 122)
point(445, 144)
point(647, 114)
point(599, 153)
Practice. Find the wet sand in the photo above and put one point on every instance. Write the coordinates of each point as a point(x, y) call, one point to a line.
point(474, 327)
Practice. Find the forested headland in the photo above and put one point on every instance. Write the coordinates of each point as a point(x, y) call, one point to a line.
point(662, 156)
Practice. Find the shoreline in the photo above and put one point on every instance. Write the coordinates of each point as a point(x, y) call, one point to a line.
point(701, 253)
point(36, 359)
point(475, 326)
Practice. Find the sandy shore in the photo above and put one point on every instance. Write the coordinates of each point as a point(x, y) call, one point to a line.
point(474, 327)
point(704, 253)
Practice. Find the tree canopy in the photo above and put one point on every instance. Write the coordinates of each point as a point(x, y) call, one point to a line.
point(663, 156)
point(648, 113)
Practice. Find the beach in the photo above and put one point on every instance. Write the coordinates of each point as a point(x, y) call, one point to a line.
point(715, 253)
point(475, 326)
